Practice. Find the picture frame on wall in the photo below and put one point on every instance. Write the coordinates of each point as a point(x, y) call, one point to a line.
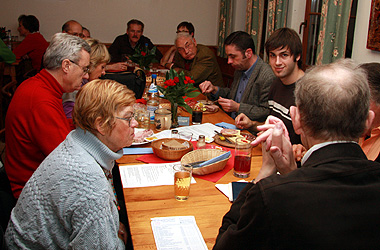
point(373, 40)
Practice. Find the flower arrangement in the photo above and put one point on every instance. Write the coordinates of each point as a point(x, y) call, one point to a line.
point(3, 33)
point(176, 89)
point(144, 56)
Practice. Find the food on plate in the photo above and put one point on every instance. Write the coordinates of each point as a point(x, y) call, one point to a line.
point(174, 145)
point(199, 107)
point(141, 135)
point(230, 132)
point(211, 108)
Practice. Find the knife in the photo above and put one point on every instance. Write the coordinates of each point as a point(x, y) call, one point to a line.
point(225, 138)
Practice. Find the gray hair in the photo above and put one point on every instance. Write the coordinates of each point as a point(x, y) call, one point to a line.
point(333, 101)
point(64, 46)
point(183, 34)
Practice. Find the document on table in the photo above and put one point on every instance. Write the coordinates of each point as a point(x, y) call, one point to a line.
point(147, 175)
point(206, 129)
point(178, 232)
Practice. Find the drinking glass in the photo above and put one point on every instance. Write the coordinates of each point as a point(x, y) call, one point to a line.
point(197, 117)
point(242, 164)
point(186, 135)
point(182, 180)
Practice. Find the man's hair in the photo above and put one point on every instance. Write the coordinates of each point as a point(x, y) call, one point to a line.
point(101, 98)
point(66, 25)
point(189, 26)
point(183, 34)
point(29, 22)
point(99, 53)
point(64, 46)
point(241, 40)
point(373, 77)
point(285, 38)
point(333, 101)
point(135, 21)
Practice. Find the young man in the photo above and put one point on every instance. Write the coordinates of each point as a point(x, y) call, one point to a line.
point(252, 80)
point(284, 50)
point(332, 201)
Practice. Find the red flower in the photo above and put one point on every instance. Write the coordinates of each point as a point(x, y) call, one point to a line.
point(170, 82)
point(143, 53)
point(188, 80)
point(176, 79)
point(143, 101)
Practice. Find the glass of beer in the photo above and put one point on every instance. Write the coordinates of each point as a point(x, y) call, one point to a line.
point(182, 180)
point(242, 164)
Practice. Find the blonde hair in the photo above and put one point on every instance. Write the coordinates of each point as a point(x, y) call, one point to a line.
point(101, 99)
point(99, 53)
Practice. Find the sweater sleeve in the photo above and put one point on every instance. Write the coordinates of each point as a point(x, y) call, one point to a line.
point(6, 55)
point(246, 225)
point(23, 48)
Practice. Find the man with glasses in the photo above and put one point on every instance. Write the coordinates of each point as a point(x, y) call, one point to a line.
point(36, 123)
point(252, 80)
point(196, 60)
point(74, 28)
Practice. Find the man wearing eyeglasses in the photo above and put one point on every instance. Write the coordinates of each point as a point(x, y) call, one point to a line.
point(36, 123)
point(74, 28)
point(196, 60)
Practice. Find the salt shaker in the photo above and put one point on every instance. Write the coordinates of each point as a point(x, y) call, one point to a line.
point(201, 144)
point(175, 134)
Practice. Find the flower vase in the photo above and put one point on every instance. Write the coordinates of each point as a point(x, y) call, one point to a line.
point(174, 109)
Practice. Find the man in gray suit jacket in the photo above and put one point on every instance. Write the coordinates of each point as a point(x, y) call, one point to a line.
point(252, 80)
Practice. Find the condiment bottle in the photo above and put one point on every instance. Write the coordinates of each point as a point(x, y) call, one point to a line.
point(175, 133)
point(201, 144)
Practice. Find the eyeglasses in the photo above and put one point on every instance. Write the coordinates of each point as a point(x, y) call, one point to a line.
point(86, 70)
point(128, 119)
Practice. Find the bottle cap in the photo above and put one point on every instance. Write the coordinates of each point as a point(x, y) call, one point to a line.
point(154, 76)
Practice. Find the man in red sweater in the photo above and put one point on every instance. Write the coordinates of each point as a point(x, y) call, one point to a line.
point(35, 123)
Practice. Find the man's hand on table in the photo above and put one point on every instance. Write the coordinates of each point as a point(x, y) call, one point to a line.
point(228, 105)
point(207, 87)
point(243, 122)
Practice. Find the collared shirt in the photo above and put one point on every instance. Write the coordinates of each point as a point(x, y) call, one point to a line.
point(242, 85)
point(321, 145)
point(371, 146)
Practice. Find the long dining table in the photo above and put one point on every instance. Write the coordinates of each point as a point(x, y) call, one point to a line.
point(206, 203)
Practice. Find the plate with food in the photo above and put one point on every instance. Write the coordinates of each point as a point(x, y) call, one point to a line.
point(228, 137)
point(207, 107)
point(141, 136)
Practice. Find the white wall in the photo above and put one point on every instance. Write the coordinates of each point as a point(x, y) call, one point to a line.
point(360, 53)
point(108, 18)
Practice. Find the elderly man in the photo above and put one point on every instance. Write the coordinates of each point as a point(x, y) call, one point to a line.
point(332, 201)
point(36, 123)
point(196, 60)
point(126, 44)
point(252, 80)
point(74, 28)
point(284, 50)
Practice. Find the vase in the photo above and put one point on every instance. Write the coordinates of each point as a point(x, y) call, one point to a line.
point(174, 109)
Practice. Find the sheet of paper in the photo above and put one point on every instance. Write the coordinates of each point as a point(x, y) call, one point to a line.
point(147, 175)
point(178, 232)
point(206, 129)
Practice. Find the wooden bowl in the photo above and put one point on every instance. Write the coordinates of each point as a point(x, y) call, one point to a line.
point(204, 155)
point(171, 155)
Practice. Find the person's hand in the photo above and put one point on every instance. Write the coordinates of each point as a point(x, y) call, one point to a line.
point(120, 66)
point(122, 233)
point(298, 151)
point(268, 166)
point(207, 87)
point(267, 129)
point(228, 105)
point(281, 150)
point(243, 122)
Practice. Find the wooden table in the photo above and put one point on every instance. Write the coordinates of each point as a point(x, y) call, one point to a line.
point(206, 203)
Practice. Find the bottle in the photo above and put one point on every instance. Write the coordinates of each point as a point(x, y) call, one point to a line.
point(153, 101)
point(201, 144)
point(8, 39)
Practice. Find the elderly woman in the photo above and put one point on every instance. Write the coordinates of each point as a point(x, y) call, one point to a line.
point(99, 57)
point(34, 44)
point(69, 203)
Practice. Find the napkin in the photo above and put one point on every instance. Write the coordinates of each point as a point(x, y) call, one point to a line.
point(137, 151)
point(215, 159)
point(226, 125)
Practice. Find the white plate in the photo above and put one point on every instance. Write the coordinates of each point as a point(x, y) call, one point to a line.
point(145, 141)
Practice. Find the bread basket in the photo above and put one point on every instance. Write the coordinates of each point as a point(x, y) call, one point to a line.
point(204, 155)
point(171, 155)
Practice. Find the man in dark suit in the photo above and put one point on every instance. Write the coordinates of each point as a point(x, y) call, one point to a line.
point(332, 201)
point(252, 80)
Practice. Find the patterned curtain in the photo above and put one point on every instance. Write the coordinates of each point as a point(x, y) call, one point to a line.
point(254, 21)
point(277, 12)
point(276, 18)
point(332, 38)
point(225, 24)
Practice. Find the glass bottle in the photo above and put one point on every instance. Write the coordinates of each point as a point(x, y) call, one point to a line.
point(201, 144)
point(153, 99)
